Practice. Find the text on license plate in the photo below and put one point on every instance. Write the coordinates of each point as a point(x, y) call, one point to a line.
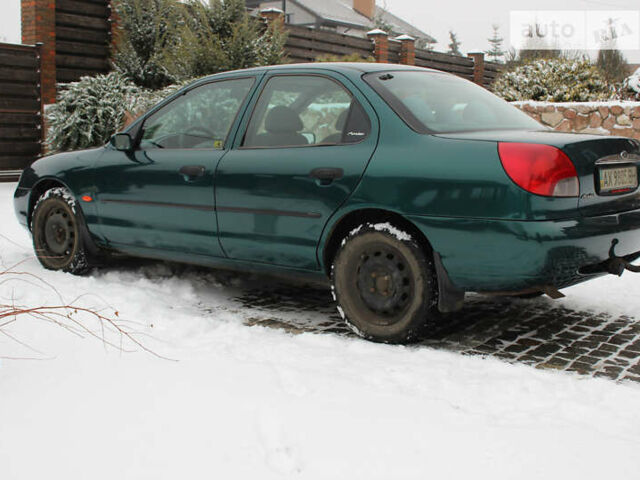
point(623, 178)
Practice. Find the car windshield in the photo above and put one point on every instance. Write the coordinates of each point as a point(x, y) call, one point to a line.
point(432, 102)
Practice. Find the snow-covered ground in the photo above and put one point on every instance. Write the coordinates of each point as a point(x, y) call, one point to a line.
point(251, 402)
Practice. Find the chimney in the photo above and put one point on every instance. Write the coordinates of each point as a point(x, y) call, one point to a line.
point(365, 7)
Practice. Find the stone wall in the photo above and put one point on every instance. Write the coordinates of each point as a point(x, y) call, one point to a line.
point(603, 118)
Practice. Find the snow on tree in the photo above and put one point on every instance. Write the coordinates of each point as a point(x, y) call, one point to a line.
point(454, 44)
point(554, 80)
point(89, 111)
point(163, 41)
point(496, 53)
point(631, 86)
point(221, 35)
point(148, 33)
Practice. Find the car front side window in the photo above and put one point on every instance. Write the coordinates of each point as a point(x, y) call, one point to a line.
point(299, 110)
point(199, 119)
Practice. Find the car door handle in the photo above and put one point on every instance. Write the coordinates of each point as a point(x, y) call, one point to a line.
point(189, 172)
point(326, 175)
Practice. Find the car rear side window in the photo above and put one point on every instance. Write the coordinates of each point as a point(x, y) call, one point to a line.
point(305, 110)
point(432, 102)
point(199, 119)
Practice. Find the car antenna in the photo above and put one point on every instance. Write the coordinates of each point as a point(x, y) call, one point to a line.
point(386, 76)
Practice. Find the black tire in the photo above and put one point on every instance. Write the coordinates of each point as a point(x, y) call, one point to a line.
point(385, 285)
point(57, 231)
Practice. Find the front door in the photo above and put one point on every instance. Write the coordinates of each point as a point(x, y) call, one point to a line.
point(299, 156)
point(161, 195)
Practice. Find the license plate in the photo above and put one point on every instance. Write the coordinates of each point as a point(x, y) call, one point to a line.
point(615, 180)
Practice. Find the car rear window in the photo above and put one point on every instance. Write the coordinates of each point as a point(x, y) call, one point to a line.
point(432, 102)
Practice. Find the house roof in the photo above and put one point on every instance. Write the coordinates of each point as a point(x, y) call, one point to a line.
point(342, 12)
point(401, 26)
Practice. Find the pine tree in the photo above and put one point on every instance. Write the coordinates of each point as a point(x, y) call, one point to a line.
point(454, 45)
point(165, 41)
point(221, 36)
point(495, 53)
point(89, 111)
point(148, 29)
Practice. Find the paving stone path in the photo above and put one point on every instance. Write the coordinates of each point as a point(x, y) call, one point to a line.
point(535, 332)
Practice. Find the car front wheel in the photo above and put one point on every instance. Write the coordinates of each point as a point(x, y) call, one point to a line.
point(385, 285)
point(57, 233)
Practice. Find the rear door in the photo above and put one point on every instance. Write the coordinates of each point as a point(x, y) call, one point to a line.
point(161, 195)
point(296, 159)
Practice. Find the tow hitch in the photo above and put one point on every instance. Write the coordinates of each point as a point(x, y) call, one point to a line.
point(617, 265)
point(614, 265)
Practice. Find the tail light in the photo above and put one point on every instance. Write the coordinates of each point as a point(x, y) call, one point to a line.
point(540, 169)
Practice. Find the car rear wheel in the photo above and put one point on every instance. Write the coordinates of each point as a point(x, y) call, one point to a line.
point(57, 233)
point(385, 285)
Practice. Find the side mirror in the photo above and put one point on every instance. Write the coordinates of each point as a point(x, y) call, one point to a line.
point(122, 142)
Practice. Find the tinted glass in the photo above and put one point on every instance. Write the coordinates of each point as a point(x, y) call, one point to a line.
point(305, 110)
point(435, 102)
point(201, 118)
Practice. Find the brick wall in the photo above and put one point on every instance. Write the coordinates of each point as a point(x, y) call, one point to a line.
point(38, 26)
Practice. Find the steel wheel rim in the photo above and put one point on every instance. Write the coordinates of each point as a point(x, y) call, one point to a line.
point(385, 283)
point(57, 236)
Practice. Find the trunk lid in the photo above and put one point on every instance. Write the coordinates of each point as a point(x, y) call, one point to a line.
point(591, 154)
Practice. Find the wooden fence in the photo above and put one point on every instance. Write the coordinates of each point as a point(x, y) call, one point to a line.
point(20, 108)
point(83, 35)
point(491, 71)
point(307, 44)
point(461, 66)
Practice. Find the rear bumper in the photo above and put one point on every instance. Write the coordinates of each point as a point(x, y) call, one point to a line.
point(501, 255)
point(21, 204)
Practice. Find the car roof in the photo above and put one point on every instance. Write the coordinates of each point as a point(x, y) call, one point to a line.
point(361, 67)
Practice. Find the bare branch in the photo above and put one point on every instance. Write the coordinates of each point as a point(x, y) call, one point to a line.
point(71, 316)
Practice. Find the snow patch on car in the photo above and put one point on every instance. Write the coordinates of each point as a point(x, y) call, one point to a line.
point(62, 192)
point(351, 234)
point(380, 227)
point(387, 227)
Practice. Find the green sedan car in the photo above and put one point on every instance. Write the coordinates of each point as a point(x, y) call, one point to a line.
point(407, 187)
